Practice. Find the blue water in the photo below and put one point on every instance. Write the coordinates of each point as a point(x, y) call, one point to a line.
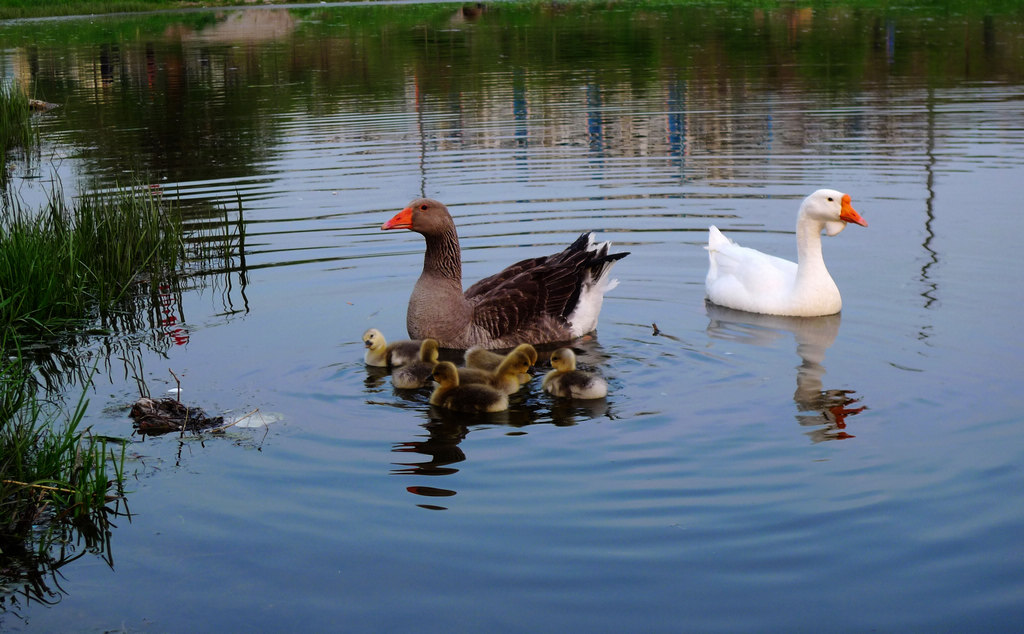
point(850, 473)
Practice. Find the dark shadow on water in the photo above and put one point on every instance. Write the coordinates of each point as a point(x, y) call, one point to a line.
point(824, 409)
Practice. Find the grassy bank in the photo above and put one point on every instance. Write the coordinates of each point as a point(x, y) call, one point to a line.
point(14, 9)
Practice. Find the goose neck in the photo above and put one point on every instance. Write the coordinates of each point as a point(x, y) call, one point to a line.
point(808, 243)
point(443, 256)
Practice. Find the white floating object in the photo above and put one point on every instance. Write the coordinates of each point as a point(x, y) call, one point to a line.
point(258, 419)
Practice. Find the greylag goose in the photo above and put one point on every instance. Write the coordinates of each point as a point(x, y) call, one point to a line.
point(538, 300)
point(566, 380)
point(416, 374)
point(746, 279)
point(464, 398)
point(484, 359)
point(504, 378)
point(379, 353)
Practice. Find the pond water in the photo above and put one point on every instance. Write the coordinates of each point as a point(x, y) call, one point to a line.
point(854, 472)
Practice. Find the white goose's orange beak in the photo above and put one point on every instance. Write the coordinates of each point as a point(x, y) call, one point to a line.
point(403, 220)
point(847, 213)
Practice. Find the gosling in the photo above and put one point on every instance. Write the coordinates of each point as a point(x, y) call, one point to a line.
point(418, 373)
point(484, 359)
point(565, 380)
point(505, 378)
point(380, 354)
point(464, 398)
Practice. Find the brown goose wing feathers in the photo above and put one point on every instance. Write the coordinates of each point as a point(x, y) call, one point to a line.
point(537, 290)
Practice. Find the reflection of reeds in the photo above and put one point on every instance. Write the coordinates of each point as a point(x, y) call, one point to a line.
point(56, 482)
point(16, 129)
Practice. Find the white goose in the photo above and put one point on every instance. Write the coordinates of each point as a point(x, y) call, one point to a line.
point(747, 279)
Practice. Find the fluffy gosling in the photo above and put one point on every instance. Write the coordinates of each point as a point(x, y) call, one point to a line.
point(464, 398)
point(379, 353)
point(565, 380)
point(418, 373)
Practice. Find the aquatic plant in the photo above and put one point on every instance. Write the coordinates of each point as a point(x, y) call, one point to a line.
point(61, 265)
point(57, 484)
point(64, 270)
point(16, 129)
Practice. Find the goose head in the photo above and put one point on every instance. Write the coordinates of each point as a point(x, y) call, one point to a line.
point(429, 351)
point(563, 360)
point(423, 215)
point(831, 208)
point(446, 374)
point(374, 340)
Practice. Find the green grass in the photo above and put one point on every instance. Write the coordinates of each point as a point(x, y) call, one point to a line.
point(60, 486)
point(15, 9)
point(51, 470)
point(62, 265)
point(16, 129)
point(63, 268)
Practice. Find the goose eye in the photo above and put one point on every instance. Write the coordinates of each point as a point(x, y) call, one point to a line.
point(424, 207)
point(830, 199)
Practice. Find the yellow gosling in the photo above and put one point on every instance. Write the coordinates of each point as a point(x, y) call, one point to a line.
point(418, 373)
point(381, 354)
point(464, 398)
point(481, 358)
point(505, 378)
point(566, 381)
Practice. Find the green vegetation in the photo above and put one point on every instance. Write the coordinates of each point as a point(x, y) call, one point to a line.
point(52, 472)
point(60, 486)
point(12, 9)
point(61, 266)
point(16, 130)
point(63, 269)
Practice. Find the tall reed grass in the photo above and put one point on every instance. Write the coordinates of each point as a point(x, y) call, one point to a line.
point(52, 471)
point(16, 129)
point(63, 268)
point(59, 265)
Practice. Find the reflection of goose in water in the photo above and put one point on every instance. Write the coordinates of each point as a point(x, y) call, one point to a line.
point(441, 447)
point(814, 335)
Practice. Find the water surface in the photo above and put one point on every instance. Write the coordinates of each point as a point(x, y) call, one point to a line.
point(845, 473)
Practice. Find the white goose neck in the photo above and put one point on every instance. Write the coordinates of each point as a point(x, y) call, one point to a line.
point(808, 244)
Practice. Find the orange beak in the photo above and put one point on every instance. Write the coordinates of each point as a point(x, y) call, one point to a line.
point(403, 220)
point(847, 213)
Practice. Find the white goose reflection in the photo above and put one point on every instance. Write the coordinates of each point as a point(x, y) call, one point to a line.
point(817, 407)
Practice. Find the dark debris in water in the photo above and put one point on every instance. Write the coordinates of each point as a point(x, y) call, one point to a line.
point(163, 415)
